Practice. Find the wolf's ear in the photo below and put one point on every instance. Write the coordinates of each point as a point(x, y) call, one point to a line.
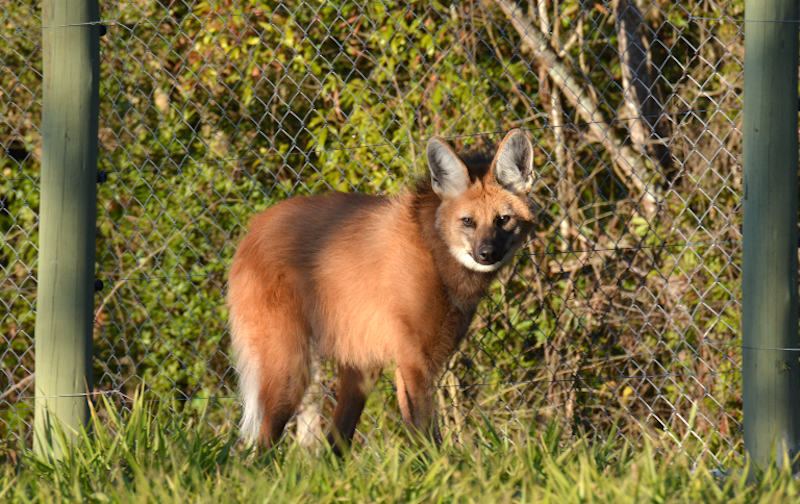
point(449, 175)
point(513, 164)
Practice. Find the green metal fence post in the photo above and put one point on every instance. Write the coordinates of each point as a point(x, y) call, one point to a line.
point(66, 265)
point(771, 376)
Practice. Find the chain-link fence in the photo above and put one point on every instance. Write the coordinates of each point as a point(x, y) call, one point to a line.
point(623, 307)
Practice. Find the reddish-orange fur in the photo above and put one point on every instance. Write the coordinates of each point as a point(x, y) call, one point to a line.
point(368, 281)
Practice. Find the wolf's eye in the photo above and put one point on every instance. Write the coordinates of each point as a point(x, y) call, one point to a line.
point(503, 219)
point(468, 222)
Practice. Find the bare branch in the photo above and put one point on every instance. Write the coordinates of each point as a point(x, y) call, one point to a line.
point(637, 82)
point(20, 384)
point(625, 158)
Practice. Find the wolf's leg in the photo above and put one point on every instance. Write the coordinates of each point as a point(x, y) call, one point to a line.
point(354, 387)
point(415, 397)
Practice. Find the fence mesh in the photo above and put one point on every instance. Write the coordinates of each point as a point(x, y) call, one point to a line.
point(623, 309)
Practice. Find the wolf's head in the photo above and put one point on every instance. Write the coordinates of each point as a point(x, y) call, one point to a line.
point(485, 213)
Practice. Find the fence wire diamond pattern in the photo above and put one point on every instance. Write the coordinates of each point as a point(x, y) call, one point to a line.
point(621, 310)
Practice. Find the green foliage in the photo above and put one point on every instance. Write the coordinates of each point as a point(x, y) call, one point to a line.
point(160, 457)
point(214, 111)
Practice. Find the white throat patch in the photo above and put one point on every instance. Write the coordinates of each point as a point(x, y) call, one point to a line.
point(469, 262)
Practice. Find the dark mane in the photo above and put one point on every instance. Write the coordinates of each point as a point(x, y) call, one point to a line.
point(478, 163)
point(420, 185)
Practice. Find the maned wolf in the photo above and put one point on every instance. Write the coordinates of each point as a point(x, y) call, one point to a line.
point(371, 280)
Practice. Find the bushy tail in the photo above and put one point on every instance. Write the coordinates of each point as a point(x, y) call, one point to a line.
point(248, 367)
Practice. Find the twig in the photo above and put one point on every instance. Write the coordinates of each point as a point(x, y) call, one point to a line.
point(17, 386)
point(625, 158)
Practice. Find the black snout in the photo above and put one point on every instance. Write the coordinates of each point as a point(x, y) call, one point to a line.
point(486, 255)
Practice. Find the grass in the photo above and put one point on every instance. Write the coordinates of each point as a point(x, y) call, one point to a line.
point(146, 457)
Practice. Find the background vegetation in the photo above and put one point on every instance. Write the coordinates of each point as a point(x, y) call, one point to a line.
point(623, 308)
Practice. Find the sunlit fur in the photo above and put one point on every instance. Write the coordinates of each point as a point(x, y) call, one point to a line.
point(369, 281)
